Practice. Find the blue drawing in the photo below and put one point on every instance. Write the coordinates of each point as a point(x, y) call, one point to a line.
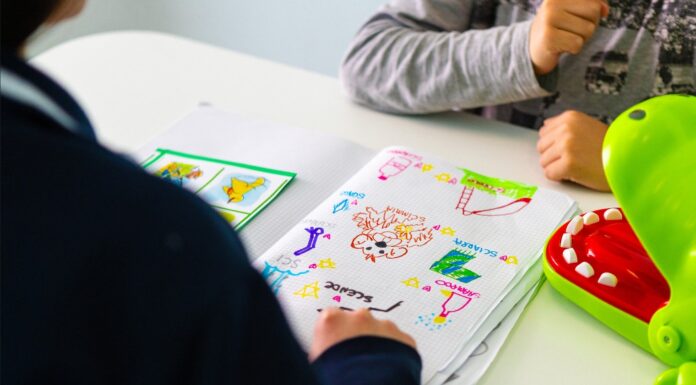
point(270, 271)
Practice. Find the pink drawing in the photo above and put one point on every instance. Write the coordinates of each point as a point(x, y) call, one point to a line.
point(454, 303)
point(506, 209)
point(427, 288)
point(379, 236)
point(393, 167)
point(327, 236)
point(436, 228)
point(313, 266)
point(337, 298)
point(354, 203)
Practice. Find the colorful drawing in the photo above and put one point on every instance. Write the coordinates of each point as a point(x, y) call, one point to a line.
point(275, 275)
point(428, 320)
point(450, 232)
point(393, 167)
point(343, 205)
point(178, 173)
point(327, 263)
point(239, 188)
point(412, 282)
point(349, 292)
point(520, 194)
point(455, 302)
point(509, 259)
point(452, 266)
point(314, 233)
point(309, 290)
point(380, 238)
point(386, 310)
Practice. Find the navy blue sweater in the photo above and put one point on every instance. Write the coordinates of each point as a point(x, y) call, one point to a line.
point(111, 276)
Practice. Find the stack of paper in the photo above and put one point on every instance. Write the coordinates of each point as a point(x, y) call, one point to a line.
point(441, 250)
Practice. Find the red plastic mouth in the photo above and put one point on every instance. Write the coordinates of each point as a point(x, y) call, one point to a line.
point(611, 246)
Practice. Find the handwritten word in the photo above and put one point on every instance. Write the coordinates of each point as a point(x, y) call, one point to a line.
point(452, 266)
point(349, 292)
point(405, 153)
point(353, 194)
point(317, 223)
point(461, 289)
point(474, 247)
point(408, 216)
point(486, 185)
point(309, 290)
point(314, 233)
point(387, 310)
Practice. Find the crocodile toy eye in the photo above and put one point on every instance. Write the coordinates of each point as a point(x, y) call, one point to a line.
point(637, 114)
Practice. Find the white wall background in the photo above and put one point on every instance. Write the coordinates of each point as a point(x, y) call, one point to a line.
point(311, 34)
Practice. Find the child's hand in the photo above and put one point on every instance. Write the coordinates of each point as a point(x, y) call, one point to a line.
point(562, 26)
point(570, 145)
point(335, 325)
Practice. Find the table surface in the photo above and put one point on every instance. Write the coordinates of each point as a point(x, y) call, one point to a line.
point(134, 85)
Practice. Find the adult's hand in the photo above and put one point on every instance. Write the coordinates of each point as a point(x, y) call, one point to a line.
point(335, 325)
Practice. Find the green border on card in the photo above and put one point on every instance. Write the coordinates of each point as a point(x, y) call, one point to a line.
point(242, 165)
point(249, 216)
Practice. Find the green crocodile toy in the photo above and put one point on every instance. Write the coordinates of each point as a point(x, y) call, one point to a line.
point(634, 268)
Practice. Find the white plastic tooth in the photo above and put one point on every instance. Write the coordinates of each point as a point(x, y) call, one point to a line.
point(590, 218)
point(566, 241)
point(574, 226)
point(584, 269)
point(570, 256)
point(613, 215)
point(608, 279)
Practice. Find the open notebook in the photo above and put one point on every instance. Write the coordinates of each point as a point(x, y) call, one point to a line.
point(443, 251)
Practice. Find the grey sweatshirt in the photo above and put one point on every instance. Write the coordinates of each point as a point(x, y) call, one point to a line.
point(423, 56)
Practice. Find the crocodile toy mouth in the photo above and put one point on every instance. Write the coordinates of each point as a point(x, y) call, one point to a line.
point(599, 253)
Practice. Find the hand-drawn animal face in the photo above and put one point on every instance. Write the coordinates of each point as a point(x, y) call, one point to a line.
point(379, 245)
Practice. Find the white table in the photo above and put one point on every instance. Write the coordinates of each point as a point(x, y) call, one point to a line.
point(134, 85)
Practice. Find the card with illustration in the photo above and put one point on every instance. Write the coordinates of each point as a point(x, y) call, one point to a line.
point(237, 191)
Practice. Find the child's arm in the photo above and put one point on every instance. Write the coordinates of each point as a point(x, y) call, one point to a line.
point(420, 56)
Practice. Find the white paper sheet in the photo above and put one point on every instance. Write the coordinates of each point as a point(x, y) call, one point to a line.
point(405, 237)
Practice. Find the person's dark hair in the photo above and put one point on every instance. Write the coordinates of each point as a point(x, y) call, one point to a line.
point(20, 18)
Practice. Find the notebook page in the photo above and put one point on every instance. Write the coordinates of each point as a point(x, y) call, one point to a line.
point(322, 163)
point(428, 245)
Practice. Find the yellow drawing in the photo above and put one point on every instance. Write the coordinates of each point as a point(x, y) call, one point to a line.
point(444, 177)
point(239, 188)
point(327, 264)
point(427, 167)
point(403, 231)
point(448, 231)
point(309, 290)
point(511, 260)
point(412, 282)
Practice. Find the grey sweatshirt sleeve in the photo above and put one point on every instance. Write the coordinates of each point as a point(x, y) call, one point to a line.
point(420, 56)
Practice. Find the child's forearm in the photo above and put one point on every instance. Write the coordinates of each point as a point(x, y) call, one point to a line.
point(398, 65)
